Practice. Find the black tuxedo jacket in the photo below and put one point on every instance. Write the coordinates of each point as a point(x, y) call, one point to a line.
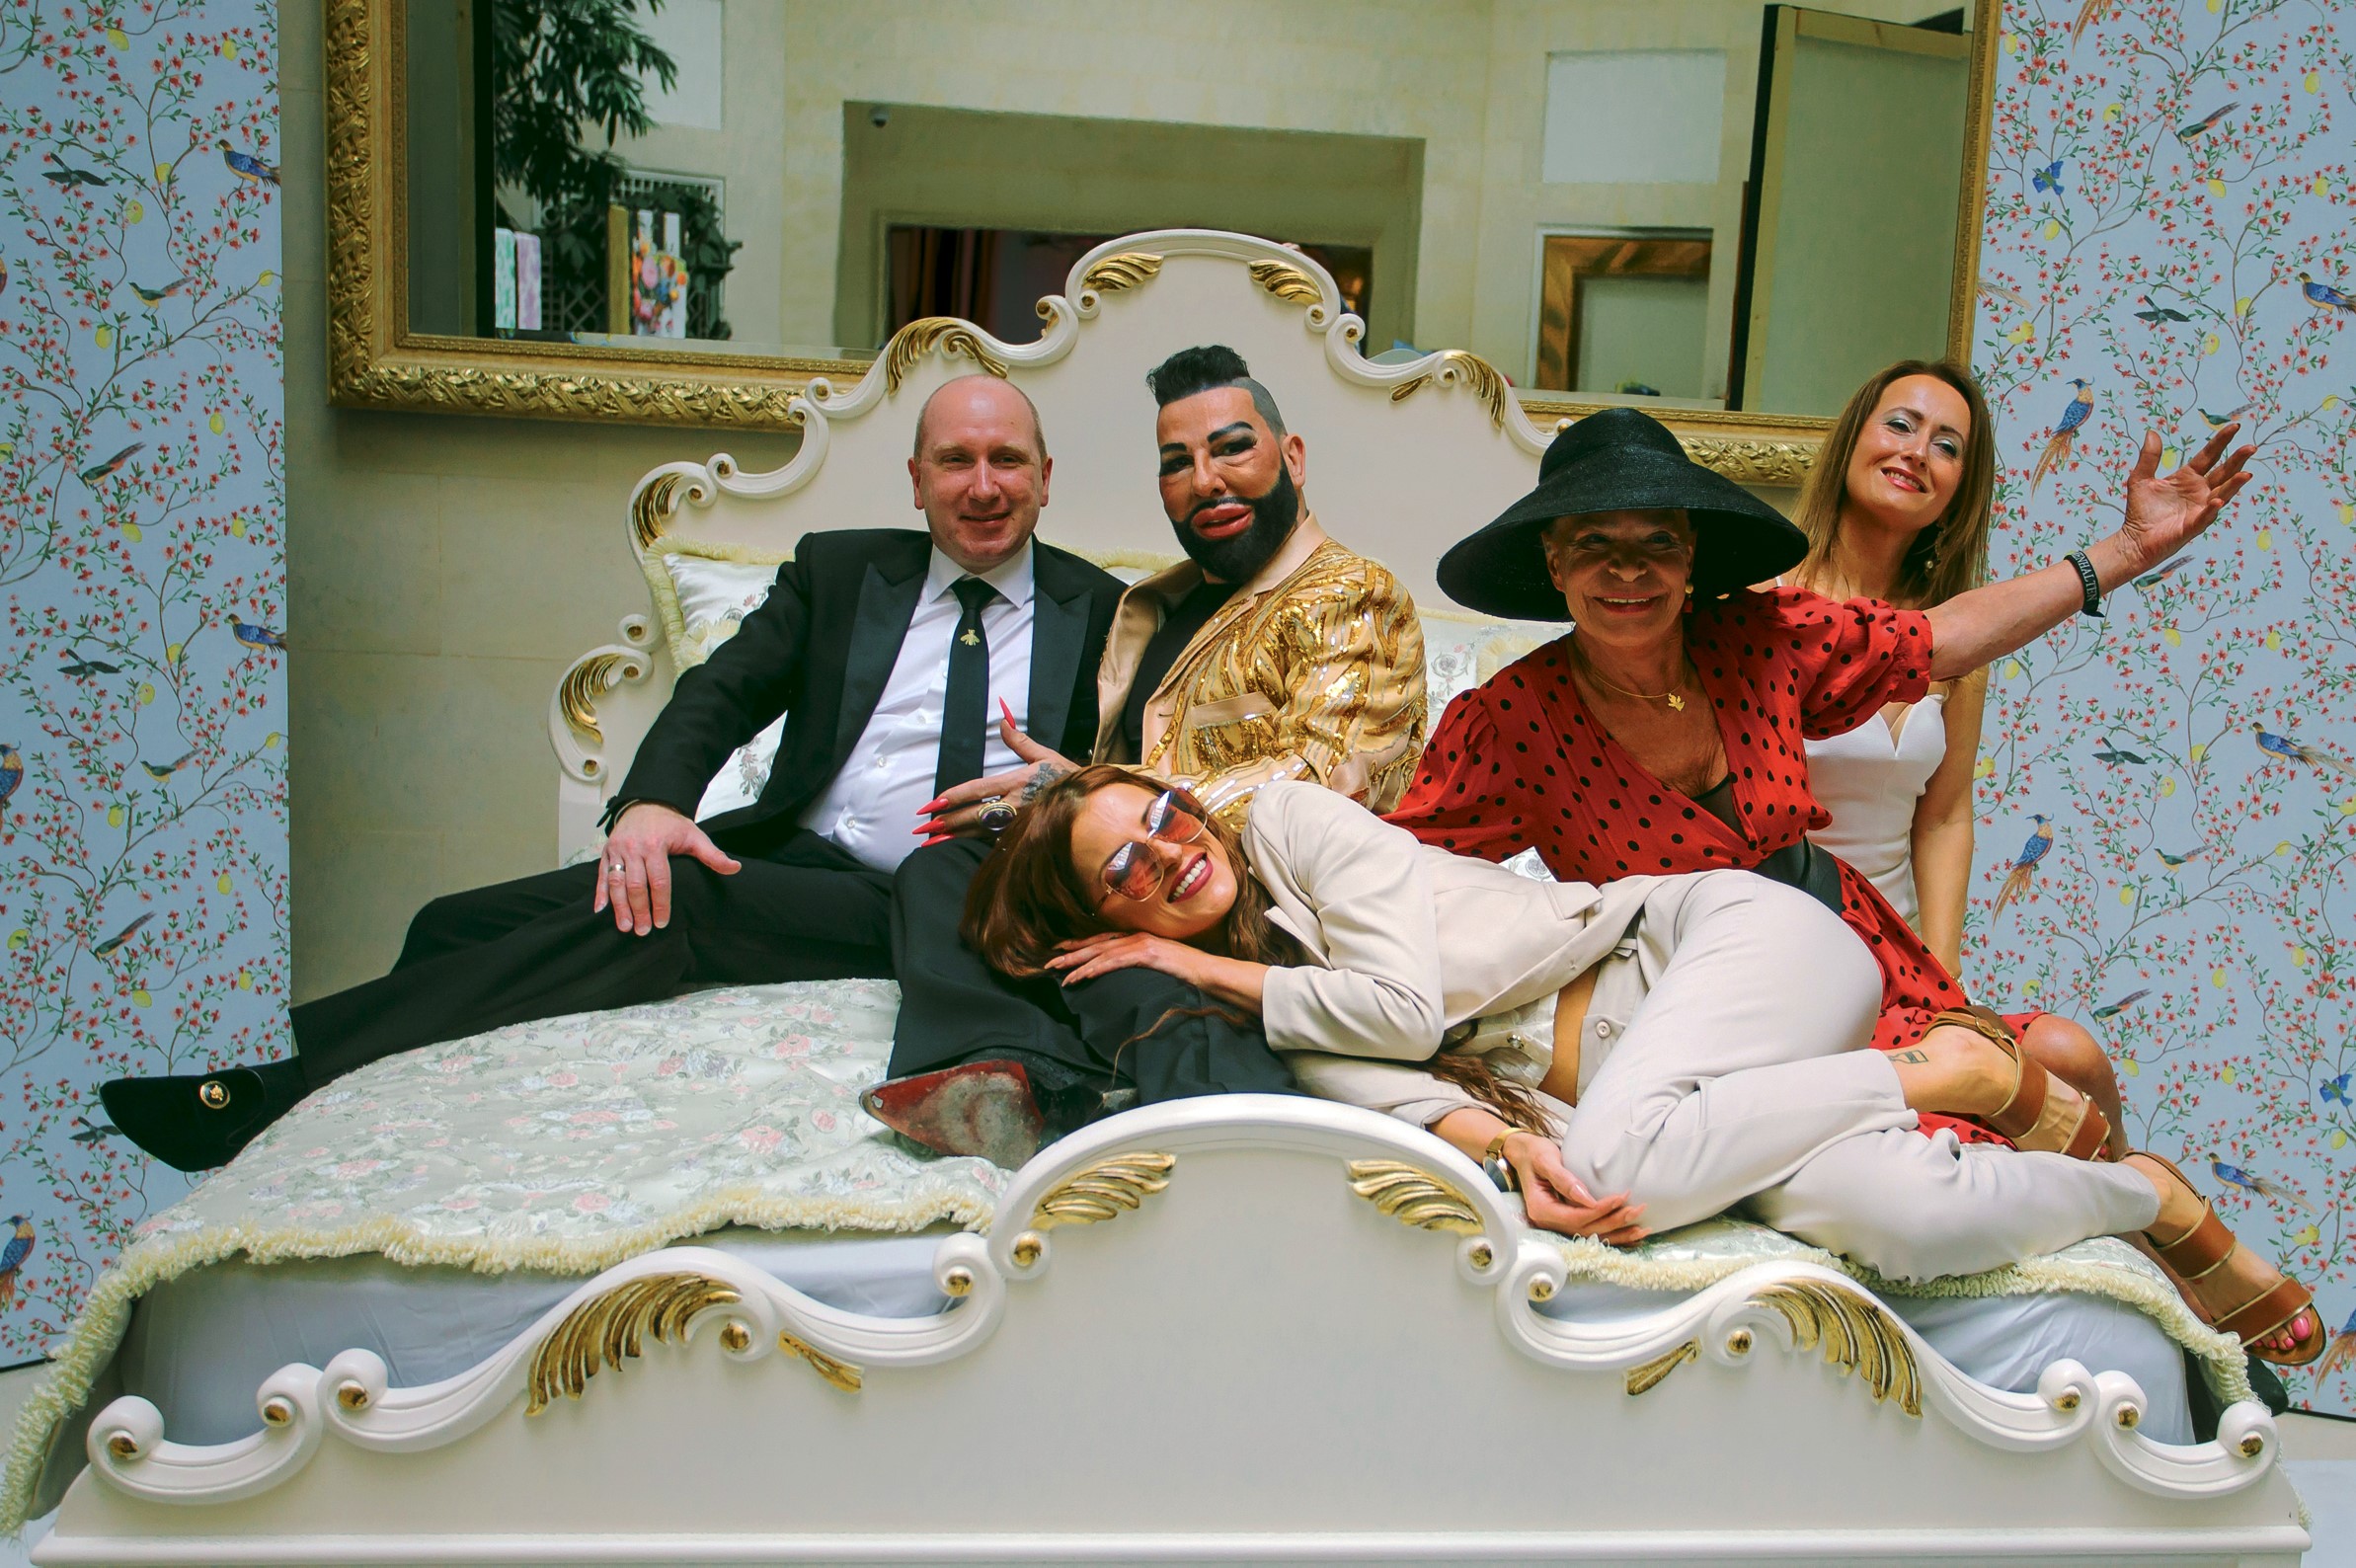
point(820, 650)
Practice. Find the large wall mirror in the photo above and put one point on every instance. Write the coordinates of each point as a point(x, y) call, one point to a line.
point(679, 210)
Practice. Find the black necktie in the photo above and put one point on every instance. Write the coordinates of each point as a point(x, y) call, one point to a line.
point(965, 711)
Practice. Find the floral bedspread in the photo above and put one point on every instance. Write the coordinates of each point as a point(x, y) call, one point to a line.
point(573, 1142)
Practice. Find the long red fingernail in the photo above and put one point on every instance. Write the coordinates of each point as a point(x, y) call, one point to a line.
point(931, 805)
point(1002, 708)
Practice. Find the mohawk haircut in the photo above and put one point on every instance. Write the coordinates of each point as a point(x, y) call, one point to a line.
point(1204, 368)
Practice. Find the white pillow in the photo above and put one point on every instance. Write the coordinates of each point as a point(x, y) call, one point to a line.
point(713, 595)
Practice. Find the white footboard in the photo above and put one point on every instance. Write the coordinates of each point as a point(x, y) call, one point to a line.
point(1234, 1329)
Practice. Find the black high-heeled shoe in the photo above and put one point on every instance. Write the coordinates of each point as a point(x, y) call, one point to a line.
point(196, 1121)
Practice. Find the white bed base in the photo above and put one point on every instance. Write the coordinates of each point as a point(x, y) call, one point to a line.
point(1248, 1329)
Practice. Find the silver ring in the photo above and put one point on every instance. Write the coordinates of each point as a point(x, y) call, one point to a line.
point(618, 867)
point(996, 815)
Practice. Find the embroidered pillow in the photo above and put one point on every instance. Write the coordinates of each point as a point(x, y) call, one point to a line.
point(709, 594)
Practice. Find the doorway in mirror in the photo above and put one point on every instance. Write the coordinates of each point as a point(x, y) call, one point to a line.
point(995, 278)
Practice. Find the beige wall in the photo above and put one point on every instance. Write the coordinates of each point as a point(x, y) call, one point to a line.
point(441, 571)
point(950, 169)
point(1375, 67)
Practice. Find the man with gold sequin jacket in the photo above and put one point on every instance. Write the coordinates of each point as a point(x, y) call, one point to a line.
point(1272, 652)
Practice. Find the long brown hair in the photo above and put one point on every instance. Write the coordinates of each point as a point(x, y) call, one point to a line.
point(1028, 898)
point(1949, 557)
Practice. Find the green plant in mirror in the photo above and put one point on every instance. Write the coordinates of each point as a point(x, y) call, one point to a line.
point(561, 71)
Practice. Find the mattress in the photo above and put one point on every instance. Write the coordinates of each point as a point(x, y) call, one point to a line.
point(199, 1345)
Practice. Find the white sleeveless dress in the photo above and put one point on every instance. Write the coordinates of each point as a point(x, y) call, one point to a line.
point(1870, 780)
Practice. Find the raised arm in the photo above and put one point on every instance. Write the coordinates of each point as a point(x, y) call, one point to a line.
point(2164, 515)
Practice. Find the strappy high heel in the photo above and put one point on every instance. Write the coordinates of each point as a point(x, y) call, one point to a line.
point(2034, 1117)
point(2204, 1249)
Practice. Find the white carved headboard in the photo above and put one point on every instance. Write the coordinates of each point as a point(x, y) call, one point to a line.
point(1403, 459)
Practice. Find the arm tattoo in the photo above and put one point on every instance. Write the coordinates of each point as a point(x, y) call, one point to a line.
point(1046, 775)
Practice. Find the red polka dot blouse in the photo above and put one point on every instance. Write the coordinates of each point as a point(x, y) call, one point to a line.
point(1519, 763)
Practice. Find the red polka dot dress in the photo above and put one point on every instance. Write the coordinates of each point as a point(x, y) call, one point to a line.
point(1519, 763)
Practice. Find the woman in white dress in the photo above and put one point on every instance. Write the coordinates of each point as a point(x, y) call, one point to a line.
point(1898, 510)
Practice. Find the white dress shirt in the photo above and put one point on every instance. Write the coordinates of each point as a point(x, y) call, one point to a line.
point(870, 808)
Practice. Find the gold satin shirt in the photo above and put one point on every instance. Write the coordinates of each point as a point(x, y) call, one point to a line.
point(1313, 670)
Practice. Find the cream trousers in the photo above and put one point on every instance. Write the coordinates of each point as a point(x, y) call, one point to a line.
point(1739, 1073)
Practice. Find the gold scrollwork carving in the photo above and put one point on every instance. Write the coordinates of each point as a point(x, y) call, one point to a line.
point(841, 1373)
point(1462, 367)
point(577, 697)
point(1858, 1335)
point(1105, 1190)
point(945, 333)
point(1286, 282)
point(607, 1329)
point(650, 513)
point(1413, 1196)
point(351, 113)
point(1750, 461)
point(1125, 270)
point(1651, 1374)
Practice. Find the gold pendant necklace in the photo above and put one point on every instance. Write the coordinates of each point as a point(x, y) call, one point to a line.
point(1677, 703)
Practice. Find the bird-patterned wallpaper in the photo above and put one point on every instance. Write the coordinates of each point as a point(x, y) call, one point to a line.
point(142, 576)
point(2167, 796)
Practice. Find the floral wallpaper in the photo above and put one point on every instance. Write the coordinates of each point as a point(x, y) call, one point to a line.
point(142, 581)
point(2167, 796)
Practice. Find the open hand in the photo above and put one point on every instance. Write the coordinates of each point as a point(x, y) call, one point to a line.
point(1555, 1199)
point(958, 811)
point(2166, 513)
point(1101, 954)
point(634, 868)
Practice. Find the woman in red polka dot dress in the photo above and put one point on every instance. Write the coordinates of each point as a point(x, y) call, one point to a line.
point(1665, 734)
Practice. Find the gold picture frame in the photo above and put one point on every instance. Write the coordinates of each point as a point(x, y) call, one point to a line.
point(375, 361)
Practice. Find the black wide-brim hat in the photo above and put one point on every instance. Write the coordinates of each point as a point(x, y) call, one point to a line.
point(1619, 459)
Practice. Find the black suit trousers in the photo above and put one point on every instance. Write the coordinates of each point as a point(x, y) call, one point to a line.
point(1132, 1030)
point(533, 948)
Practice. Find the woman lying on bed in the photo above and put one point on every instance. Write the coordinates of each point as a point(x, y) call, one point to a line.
point(1706, 1027)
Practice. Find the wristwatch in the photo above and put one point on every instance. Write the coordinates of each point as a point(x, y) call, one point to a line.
point(1499, 1169)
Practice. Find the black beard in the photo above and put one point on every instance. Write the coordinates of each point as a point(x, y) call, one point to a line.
point(1239, 557)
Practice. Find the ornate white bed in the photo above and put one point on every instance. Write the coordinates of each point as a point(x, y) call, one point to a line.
point(1236, 1330)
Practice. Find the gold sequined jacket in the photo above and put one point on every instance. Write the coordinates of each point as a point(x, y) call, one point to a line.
point(1313, 670)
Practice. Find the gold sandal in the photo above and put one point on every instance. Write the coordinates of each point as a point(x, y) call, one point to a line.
point(2035, 1119)
point(2204, 1249)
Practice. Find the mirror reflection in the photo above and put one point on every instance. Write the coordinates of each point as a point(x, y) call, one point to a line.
point(1685, 204)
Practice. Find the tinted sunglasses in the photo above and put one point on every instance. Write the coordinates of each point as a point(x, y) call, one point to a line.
point(1135, 871)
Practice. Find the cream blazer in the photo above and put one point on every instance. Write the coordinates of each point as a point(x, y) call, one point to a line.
point(1405, 943)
